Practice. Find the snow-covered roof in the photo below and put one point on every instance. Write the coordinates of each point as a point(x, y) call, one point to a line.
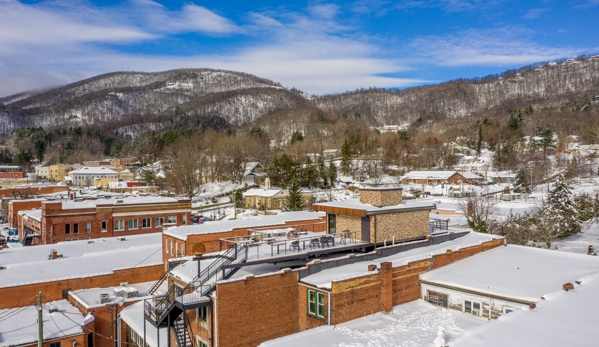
point(117, 185)
point(182, 232)
point(262, 192)
point(133, 200)
point(133, 316)
point(90, 298)
point(429, 174)
point(409, 325)
point(26, 265)
point(355, 204)
point(93, 170)
point(562, 319)
point(22, 328)
point(517, 272)
point(324, 279)
point(250, 167)
point(33, 214)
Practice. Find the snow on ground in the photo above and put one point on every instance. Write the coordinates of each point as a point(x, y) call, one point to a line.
point(414, 324)
point(579, 243)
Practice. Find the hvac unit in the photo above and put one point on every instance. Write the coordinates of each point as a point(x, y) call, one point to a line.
point(132, 292)
point(119, 292)
point(104, 298)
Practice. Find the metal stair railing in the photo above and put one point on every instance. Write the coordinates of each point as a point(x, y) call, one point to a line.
point(199, 287)
point(182, 336)
point(158, 283)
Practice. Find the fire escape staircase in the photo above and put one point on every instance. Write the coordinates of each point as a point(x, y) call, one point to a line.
point(166, 310)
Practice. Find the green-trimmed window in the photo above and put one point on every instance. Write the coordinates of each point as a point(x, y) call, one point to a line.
point(315, 303)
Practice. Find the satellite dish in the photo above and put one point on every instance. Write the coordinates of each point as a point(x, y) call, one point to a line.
point(198, 249)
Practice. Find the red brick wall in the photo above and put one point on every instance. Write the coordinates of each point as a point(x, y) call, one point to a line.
point(11, 175)
point(355, 298)
point(20, 205)
point(254, 310)
point(14, 296)
point(32, 191)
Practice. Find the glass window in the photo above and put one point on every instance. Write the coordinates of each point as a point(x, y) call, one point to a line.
point(472, 307)
point(88, 227)
point(203, 313)
point(132, 223)
point(159, 221)
point(315, 303)
point(437, 299)
point(166, 246)
point(104, 226)
point(146, 223)
point(67, 228)
point(55, 344)
point(75, 228)
point(332, 224)
point(172, 219)
point(119, 224)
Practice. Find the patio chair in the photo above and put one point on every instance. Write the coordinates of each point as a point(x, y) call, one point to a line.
point(331, 241)
point(324, 241)
point(294, 245)
point(314, 243)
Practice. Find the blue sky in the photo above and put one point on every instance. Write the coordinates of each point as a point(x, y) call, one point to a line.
point(318, 47)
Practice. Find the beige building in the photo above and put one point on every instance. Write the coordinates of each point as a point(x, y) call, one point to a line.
point(58, 172)
point(42, 172)
point(271, 198)
point(378, 216)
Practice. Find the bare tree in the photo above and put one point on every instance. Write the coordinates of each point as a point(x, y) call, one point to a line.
point(374, 168)
point(478, 210)
point(184, 167)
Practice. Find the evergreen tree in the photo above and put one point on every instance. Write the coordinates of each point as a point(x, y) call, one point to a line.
point(521, 184)
point(560, 209)
point(295, 200)
point(323, 172)
point(345, 158)
point(332, 173)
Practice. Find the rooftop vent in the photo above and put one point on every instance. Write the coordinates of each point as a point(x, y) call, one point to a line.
point(104, 298)
point(51, 308)
point(119, 201)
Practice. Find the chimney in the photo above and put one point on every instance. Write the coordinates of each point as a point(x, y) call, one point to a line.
point(568, 286)
point(54, 254)
point(267, 183)
point(387, 287)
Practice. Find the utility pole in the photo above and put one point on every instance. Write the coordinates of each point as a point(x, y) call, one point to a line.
point(40, 321)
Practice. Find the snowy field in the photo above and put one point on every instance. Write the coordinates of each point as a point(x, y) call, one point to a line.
point(414, 324)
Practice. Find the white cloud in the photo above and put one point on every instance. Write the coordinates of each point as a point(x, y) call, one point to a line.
point(534, 13)
point(588, 4)
point(499, 47)
point(324, 11)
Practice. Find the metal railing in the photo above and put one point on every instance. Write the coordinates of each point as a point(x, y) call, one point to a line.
point(198, 289)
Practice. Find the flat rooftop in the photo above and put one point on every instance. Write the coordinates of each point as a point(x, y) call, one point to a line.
point(324, 279)
point(413, 324)
point(26, 265)
point(228, 225)
point(355, 204)
point(21, 328)
point(133, 200)
point(562, 319)
point(90, 298)
point(513, 271)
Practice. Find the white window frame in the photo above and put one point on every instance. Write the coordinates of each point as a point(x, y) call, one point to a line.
point(170, 218)
point(159, 221)
point(472, 310)
point(145, 225)
point(200, 342)
point(135, 223)
point(104, 226)
point(88, 227)
point(166, 245)
point(119, 225)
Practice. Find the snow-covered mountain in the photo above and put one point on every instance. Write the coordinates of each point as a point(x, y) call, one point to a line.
point(133, 102)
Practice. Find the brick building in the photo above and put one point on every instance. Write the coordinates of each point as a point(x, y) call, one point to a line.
point(56, 221)
point(324, 292)
point(122, 162)
point(378, 216)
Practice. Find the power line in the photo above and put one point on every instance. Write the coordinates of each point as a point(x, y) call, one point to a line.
point(9, 331)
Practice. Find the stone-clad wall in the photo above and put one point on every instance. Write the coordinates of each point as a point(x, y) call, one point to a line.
point(403, 225)
point(380, 197)
point(347, 222)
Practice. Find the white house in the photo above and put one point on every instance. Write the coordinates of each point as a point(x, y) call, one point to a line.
point(85, 175)
point(42, 172)
point(503, 279)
